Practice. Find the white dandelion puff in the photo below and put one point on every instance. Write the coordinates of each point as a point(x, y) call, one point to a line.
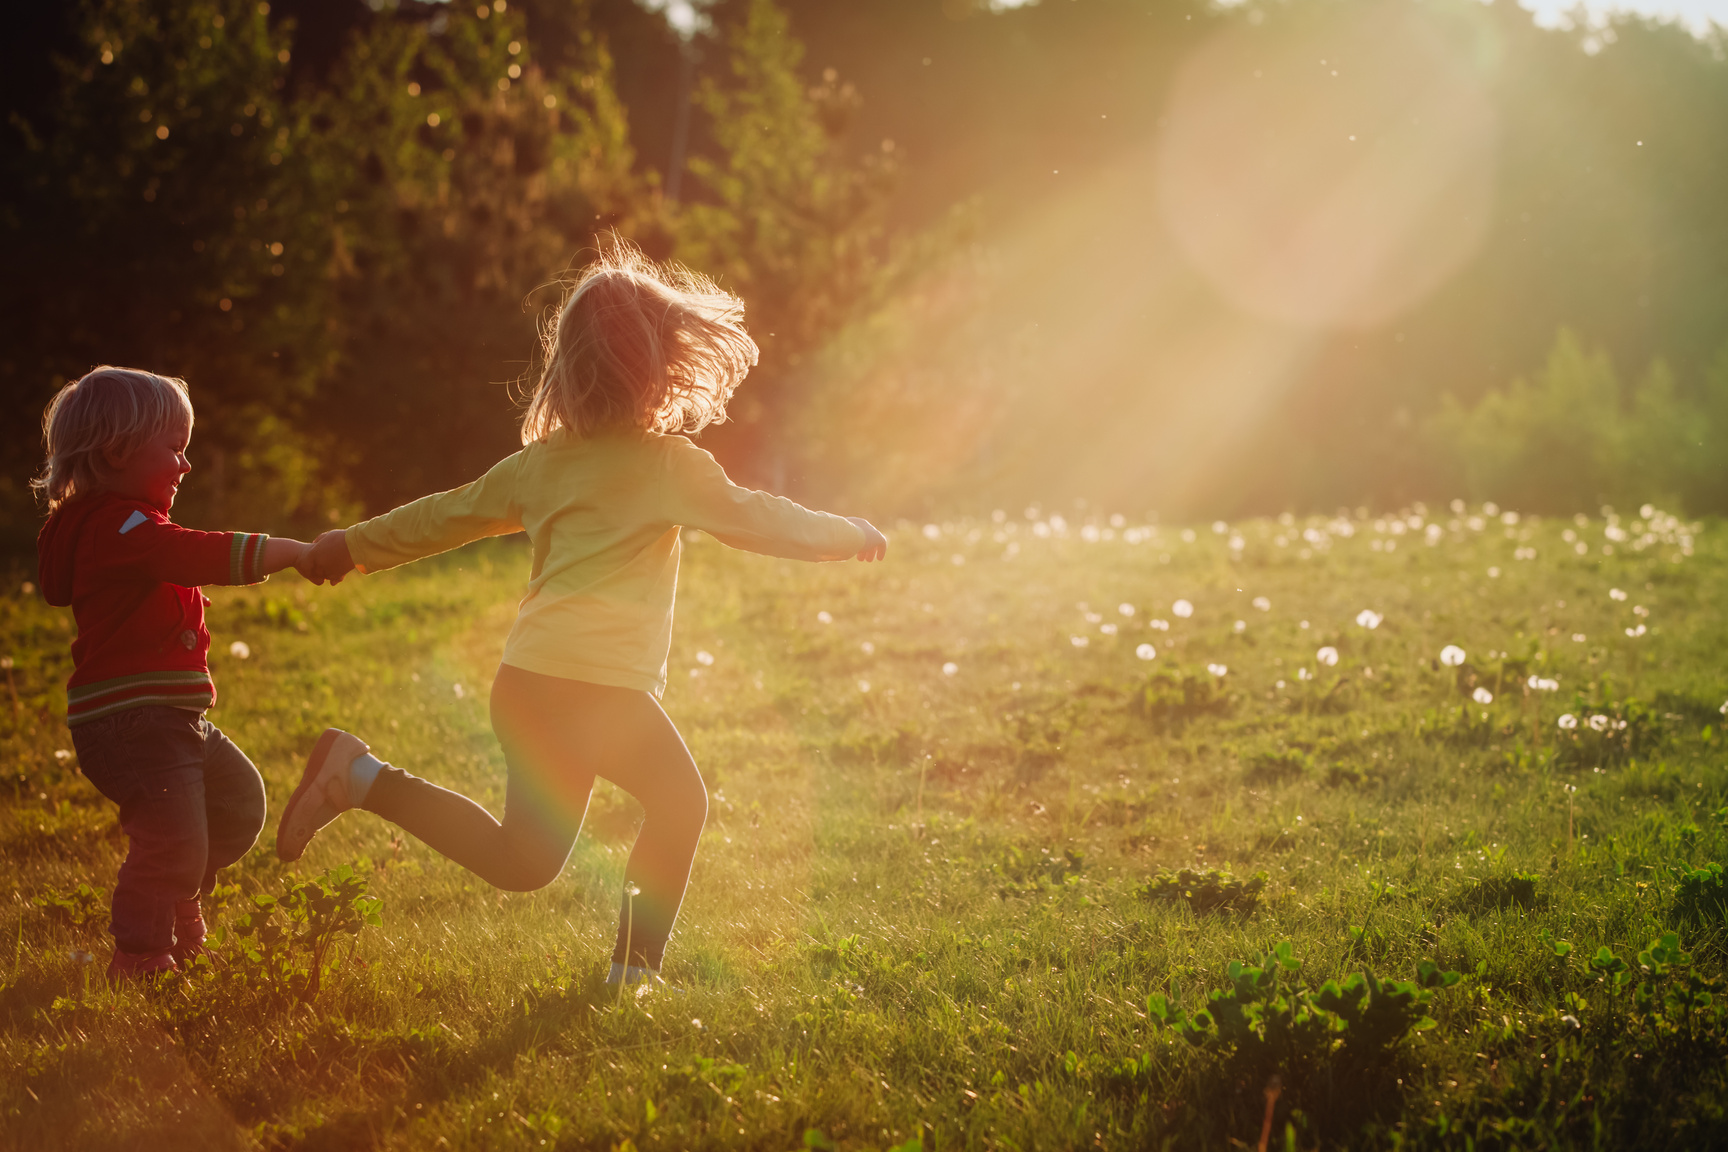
point(1636, 632)
point(1240, 626)
point(1107, 629)
point(1568, 722)
point(1182, 609)
point(704, 658)
point(1078, 641)
point(240, 650)
point(950, 668)
point(1303, 674)
point(1219, 670)
point(1616, 594)
point(1158, 625)
point(824, 617)
point(932, 531)
point(1262, 604)
point(867, 648)
point(1599, 722)
point(1125, 609)
point(1482, 696)
point(1147, 652)
point(1542, 684)
point(1327, 656)
point(1494, 573)
point(1577, 637)
point(863, 685)
point(458, 690)
point(1369, 619)
point(1452, 655)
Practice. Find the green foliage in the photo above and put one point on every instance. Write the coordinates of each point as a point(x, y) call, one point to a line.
point(1701, 894)
point(75, 907)
point(1210, 890)
point(1268, 1022)
point(1575, 438)
point(285, 949)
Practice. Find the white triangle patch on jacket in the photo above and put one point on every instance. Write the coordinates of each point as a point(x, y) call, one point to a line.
point(133, 521)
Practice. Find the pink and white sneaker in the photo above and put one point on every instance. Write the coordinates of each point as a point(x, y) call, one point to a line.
point(323, 792)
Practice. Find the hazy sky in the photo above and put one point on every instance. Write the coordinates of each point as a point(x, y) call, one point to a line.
point(1697, 14)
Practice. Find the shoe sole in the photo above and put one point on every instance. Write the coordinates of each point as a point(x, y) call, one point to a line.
point(314, 767)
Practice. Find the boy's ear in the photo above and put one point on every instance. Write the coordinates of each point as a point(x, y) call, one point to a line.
point(114, 455)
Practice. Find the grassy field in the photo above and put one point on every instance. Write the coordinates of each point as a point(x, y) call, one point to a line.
point(940, 900)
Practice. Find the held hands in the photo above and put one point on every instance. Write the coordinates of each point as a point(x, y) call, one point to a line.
point(875, 544)
point(327, 559)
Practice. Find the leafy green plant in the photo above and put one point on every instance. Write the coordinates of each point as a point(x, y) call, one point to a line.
point(1213, 890)
point(1028, 873)
point(76, 907)
point(1701, 896)
point(1266, 1023)
point(285, 947)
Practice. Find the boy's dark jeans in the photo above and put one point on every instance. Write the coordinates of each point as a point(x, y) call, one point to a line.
point(190, 802)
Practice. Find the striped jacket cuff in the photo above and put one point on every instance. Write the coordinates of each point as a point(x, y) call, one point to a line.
point(86, 702)
point(246, 558)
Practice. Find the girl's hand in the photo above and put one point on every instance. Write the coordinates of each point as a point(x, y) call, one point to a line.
point(875, 544)
point(328, 558)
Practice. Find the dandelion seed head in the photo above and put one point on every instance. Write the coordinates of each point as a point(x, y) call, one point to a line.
point(1078, 641)
point(1107, 629)
point(1482, 696)
point(1158, 625)
point(1616, 594)
point(1239, 626)
point(1263, 604)
point(1452, 655)
point(458, 690)
point(1369, 619)
point(867, 648)
point(1147, 652)
point(704, 658)
point(240, 650)
point(824, 617)
point(1568, 721)
point(950, 668)
point(932, 531)
point(1182, 609)
point(1577, 637)
point(1327, 656)
point(1125, 609)
point(863, 685)
point(1219, 670)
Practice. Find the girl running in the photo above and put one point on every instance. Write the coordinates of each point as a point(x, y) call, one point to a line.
point(637, 353)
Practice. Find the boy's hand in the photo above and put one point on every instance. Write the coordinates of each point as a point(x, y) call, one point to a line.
point(328, 559)
point(875, 544)
point(303, 564)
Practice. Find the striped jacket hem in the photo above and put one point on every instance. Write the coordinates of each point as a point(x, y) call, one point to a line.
point(87, 702)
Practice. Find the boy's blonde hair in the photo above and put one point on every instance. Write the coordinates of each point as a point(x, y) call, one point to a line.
point(108, 408)
point(638, 344)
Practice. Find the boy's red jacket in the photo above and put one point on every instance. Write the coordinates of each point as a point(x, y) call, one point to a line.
point(131, 576)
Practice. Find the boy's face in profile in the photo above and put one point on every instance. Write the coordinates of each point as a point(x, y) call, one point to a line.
point(152, 471)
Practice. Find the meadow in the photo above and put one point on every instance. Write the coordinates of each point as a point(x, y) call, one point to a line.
point(1052, 831)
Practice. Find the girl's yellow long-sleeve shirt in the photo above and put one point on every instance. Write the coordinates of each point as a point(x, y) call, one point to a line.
point(603, 515)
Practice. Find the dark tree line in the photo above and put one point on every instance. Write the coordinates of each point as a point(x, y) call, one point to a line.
point(341, 221)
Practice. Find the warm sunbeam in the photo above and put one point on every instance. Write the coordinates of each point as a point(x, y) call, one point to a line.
point(1333, 177)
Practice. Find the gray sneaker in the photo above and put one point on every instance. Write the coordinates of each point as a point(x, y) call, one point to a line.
point(323, 792)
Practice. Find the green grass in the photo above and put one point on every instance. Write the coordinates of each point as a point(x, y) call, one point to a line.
point(932, 911)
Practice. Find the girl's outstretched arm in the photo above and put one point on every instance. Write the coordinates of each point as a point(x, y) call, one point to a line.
point(698, 494)
point(876, 544)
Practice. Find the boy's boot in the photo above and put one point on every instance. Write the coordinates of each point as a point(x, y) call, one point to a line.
point(138, 965)
point(188, 930)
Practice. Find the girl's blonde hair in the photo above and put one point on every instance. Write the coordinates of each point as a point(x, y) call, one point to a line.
point(638, 344)
point(107, 409)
